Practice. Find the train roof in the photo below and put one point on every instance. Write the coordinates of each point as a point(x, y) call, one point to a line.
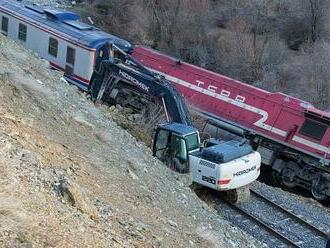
point(63, 22)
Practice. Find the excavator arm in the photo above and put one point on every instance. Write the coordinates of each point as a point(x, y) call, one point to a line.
point(123, 67)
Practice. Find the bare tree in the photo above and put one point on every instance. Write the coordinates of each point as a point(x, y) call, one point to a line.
point(307, 75)
point(242, 52)
point(316, 74)
point(163, 18)
point(305, 22)
point(315, 13)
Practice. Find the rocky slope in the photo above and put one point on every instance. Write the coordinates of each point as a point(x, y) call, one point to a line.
point(71, 177)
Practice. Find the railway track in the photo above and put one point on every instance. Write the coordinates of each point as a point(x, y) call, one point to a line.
point(306, 223)
point(285, 226)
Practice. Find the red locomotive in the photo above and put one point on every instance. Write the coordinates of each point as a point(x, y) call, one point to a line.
point(292, 136)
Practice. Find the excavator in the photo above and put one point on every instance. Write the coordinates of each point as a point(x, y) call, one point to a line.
point(223, 166)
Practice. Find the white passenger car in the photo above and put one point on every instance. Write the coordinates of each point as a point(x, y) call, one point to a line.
point(59, 37)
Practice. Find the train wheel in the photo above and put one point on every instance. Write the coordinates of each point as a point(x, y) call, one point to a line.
point(318, 195)
point(288, 175)
point(316, 192)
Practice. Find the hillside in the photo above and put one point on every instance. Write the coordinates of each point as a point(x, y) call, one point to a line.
point(71, 177)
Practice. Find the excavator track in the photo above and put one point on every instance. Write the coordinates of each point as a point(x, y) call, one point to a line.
point(237, 195)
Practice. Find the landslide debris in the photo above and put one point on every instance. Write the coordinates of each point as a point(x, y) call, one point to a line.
point(71, 177)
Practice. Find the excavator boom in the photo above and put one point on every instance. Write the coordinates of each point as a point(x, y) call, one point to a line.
point(125, 68)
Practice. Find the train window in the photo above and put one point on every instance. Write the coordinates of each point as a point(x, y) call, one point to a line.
point(4, 25)
point(53, 47)
point(313, 129)
point(70, 55)
point(22, 30)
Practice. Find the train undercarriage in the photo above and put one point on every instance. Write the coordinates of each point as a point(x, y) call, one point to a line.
point(292, 169)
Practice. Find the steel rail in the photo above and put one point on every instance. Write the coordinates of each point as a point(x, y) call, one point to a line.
point(290, 213)
point(269, 229)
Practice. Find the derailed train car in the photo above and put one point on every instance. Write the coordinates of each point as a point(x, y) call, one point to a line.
point(59, 37)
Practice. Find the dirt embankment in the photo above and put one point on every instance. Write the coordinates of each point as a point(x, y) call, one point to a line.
point(71, 177)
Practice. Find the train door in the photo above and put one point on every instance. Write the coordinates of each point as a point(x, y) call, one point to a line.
point(70, 61)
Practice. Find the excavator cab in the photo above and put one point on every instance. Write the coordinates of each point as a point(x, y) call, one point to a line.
point(172, 144)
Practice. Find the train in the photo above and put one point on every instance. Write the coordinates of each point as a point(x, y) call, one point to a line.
point(292, 136)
